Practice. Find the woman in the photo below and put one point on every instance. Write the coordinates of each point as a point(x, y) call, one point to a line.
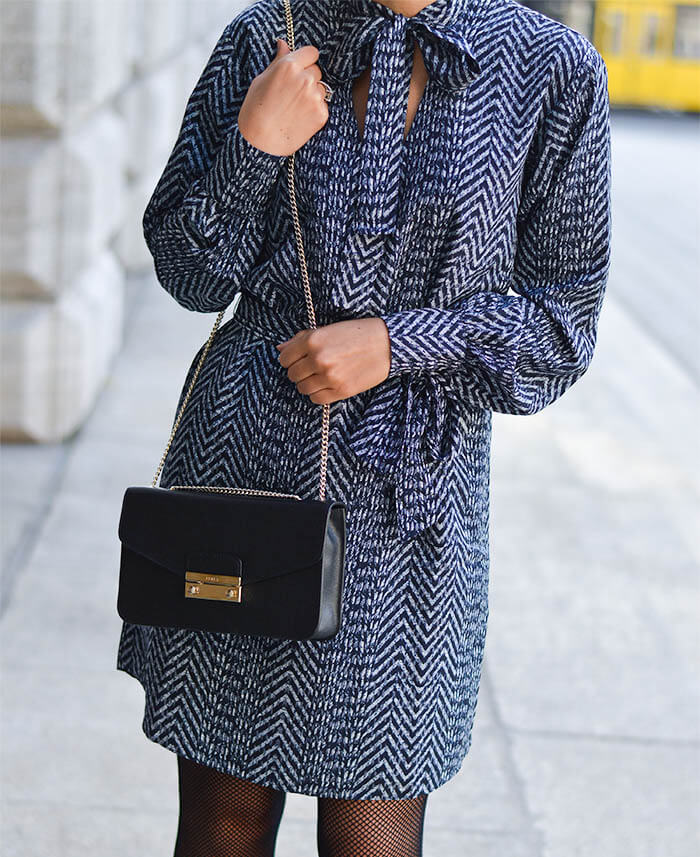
point(455, 208)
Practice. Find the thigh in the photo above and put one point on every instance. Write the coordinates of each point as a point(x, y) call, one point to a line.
point(371, 828)
point(224, 816)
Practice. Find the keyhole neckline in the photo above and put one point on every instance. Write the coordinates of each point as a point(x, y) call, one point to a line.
point(358, 138)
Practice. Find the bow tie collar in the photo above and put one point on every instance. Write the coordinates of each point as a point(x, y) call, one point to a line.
point(372, 34)
point(439, 29)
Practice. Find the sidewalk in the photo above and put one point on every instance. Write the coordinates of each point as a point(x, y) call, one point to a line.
point(586, 737)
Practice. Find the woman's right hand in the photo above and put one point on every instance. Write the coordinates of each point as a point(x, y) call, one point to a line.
point(285, 104)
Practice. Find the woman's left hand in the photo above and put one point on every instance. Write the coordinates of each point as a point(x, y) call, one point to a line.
point(338, 360)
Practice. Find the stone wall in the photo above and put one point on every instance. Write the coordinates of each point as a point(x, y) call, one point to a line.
point(92, 93)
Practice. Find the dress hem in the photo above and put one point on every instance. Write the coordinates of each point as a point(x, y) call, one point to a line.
point(280, 785)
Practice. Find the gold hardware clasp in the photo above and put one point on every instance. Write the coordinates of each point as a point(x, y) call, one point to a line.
point(212, 587)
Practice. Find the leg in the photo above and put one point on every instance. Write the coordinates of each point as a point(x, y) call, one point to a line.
point(223, 816)
point(371, 828)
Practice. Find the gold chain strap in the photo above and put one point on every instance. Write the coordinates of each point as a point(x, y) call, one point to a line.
point(325, 424)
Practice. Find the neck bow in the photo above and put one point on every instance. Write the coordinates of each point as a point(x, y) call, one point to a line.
point(369, 31)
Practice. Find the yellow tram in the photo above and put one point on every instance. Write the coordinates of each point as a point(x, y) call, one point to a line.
point(651, 47)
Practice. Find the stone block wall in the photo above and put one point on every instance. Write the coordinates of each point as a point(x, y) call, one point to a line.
point(92, 93)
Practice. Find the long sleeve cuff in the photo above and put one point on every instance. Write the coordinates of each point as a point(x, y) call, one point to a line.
point(219, 208)
point(242, 175)
point(442, 340)
point(203, 248)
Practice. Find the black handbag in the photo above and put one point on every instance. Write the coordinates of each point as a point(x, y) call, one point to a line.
point(235, 560)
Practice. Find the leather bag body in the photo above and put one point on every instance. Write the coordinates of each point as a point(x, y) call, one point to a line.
point(287, 553)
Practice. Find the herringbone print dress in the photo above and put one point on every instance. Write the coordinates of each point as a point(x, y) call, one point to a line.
point(482, 240)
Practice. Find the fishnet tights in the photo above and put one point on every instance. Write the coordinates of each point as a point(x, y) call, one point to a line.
point(370, 828)
point(223, 816)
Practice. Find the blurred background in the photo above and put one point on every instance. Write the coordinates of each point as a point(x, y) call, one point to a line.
point(587, 733)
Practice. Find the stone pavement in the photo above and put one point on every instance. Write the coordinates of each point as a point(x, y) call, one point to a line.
point(586, 738)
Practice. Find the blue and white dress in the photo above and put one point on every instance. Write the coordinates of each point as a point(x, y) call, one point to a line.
point(483, 241)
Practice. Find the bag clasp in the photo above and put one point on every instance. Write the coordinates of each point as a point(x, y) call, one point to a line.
point(213, 587)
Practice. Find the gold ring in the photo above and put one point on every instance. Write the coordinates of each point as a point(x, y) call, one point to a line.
point(329, 92)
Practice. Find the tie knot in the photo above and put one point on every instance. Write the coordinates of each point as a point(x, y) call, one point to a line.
point(438, 30)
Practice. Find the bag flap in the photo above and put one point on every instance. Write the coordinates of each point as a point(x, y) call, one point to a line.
point(255, 537)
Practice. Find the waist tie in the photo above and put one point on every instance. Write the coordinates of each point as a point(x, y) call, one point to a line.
point(259, 317)
point(408, 431)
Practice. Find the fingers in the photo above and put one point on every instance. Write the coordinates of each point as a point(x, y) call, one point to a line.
point(312, 80)
point(303, 371)
point(298, 358)
point(305, 56)
point(313, 385)
point(282, 48)
point(314, 71)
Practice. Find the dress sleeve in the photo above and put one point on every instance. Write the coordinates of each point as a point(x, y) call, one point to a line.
point(204, 221)
point(518, 353)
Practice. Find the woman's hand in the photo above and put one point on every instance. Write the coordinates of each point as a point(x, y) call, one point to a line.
point(285, 104)
point(338, 360)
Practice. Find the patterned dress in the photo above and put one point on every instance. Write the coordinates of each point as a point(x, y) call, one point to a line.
point(483, 241)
